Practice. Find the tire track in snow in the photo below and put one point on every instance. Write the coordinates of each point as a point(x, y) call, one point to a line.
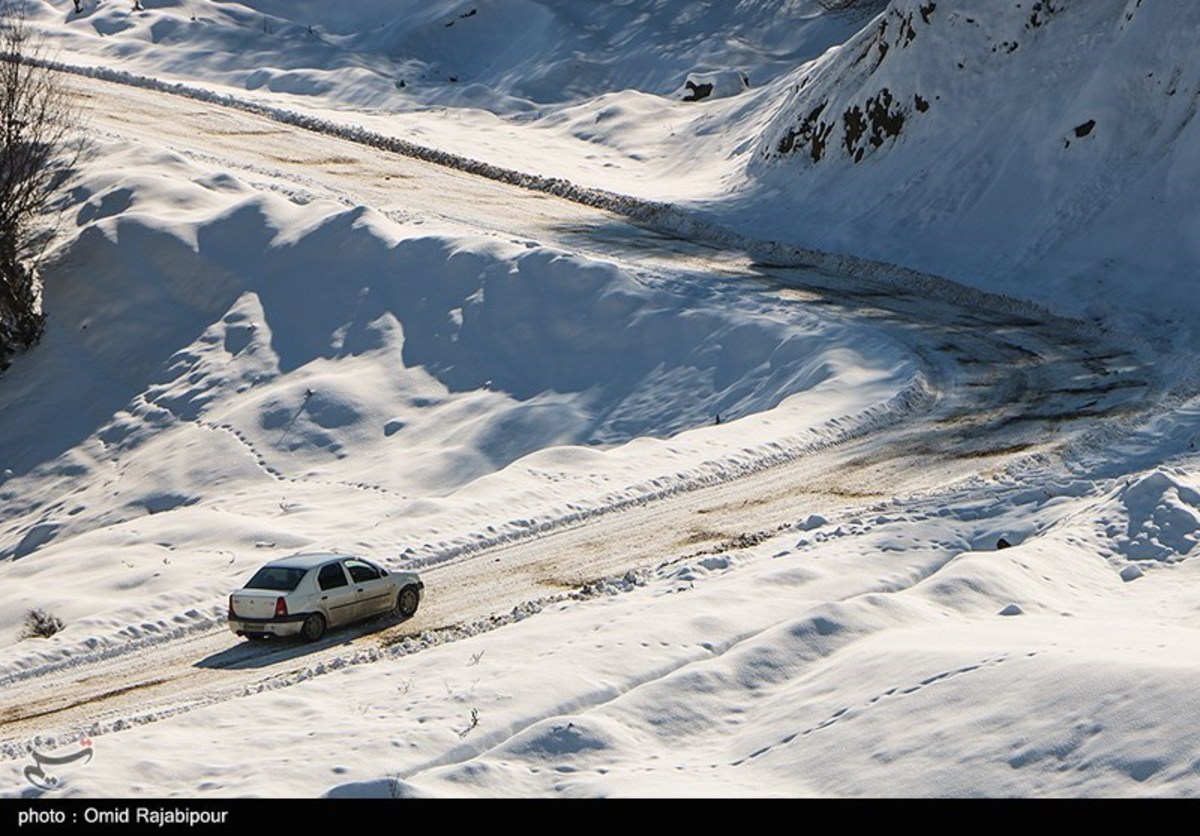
point(174, 698)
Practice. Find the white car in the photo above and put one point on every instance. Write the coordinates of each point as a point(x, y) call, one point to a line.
point(306, 594)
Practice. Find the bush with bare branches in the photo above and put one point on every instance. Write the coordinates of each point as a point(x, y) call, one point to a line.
point(37, 121)
point(40, 624)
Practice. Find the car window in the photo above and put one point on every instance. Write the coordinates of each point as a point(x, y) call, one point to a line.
point(277, 578)
point(331, 576)
point(361, 571)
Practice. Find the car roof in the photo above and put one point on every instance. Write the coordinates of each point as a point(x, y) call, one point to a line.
point(310, 560)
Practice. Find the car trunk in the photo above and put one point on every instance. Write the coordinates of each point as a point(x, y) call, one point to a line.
point(254, 603)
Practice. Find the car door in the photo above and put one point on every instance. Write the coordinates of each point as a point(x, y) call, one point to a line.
point(373, 589)
point(337, 594)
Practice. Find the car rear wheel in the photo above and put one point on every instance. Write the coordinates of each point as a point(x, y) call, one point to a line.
point(314, 627)
point(407, 601)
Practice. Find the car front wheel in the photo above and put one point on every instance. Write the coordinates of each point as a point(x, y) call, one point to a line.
point(406, 602)
point(314, 627)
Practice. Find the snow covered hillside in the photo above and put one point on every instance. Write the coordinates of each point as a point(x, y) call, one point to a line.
point(1044, 149)
point(505, 56)
point(1016, 145)
point(733, 502)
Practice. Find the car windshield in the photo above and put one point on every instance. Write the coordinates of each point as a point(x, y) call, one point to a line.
point(277, 578)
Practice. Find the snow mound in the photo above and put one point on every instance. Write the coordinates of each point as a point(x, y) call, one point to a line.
point(566, 739)
point(375, 788)
point(492, 350)
point(1157, 517)
point(566, 745)
point(37, 536)
point(1131, 573)
point(713, 85)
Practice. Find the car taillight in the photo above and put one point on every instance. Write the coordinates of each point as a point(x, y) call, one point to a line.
point(280, 608)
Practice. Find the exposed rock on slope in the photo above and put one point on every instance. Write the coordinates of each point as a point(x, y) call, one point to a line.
point(1022, 146)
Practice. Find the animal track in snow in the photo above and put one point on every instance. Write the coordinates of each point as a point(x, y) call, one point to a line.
point(847, 713)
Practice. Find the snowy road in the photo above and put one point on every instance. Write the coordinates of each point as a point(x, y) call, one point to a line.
point(1003, 389)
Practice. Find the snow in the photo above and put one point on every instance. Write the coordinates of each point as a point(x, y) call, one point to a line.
point(939, 542)
point(862, 671)
point(508, 57)
point(1020, 205)
point(999, 181)
point(280, 361)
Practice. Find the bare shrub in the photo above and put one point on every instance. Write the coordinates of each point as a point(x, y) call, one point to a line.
point(40, 624)
point(37, 120)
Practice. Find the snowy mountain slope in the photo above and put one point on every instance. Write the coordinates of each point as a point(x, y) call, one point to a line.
point(578, 89)
point(963, 117)
point(1047, 150)
point(507, 57)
